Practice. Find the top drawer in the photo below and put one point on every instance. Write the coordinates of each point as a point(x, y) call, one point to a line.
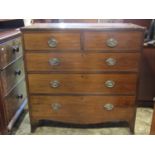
point(112, 40)
point(52, 41)
point(9, 51)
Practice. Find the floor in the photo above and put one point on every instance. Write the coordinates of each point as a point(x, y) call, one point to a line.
point(142, 127)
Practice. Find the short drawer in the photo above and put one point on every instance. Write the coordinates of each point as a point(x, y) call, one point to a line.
point(82, 83)
point(52, 41)
point(11, 75)
point(83, 109)
point(120, 40)
point(9, 51)
point(14, 99)
point(82, 61)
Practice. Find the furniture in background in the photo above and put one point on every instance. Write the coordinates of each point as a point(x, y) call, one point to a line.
point(11, 23)
point(13, 96)
point(83, 73)
point(147, 77)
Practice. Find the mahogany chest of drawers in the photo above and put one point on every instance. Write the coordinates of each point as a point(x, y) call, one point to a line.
point(12, 79)
point(82, 73)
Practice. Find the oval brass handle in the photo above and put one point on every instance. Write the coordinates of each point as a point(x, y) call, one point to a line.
point(110, 83)
point(56, 106)
point(54, 61)
point(18, 72)
point(55, 84)
point(108, 106)
point(112, 42)
point(20, 96)
point(111, 61)
point(15, 48)
point(52, 42)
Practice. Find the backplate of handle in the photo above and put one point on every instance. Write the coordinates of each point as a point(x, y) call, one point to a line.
point(111, 42)
point(55, 84)
point(109, 83)
point(108, 106)
point(54, 61)
point(111, 61)
point(52, 42)
point(56, 106)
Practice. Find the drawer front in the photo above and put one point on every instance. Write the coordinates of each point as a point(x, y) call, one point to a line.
point(52, 41)
point(14, 99)
point(82, 109)
point(10, 51)
point(120, 40)
point(12, 74)
point(82, 83)
point(82, 62)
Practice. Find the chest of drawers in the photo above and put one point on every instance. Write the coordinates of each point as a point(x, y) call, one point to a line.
point(82, 73)
point(12, 79)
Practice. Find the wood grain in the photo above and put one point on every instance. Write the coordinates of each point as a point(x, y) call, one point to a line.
point(126, 40)
point(82, 61)
point(39, 41)
point(82, 83)
point(82, 109)
point(82, 72)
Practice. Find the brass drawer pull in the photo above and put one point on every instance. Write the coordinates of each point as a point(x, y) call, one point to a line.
point(111, 61)
point(20, 96)
point(110, 83)
point(52, 42)
point(15, 48)
point(56, 106)
point(54, 61)
point(55, 84)
point(18, 72)
point(112, 42)
point(108, 106)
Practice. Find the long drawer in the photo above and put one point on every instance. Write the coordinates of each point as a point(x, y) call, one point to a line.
point(82, 83)
point(83, 109)
point(10, 51)
point(52, 41)
point(120, 40)
point(82, 61)
point(14, 99)
point(11, 75)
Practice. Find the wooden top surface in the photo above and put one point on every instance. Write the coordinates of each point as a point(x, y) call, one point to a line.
point(82, 26)
point(8, 34)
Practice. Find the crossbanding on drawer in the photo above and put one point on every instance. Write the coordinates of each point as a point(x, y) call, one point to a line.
point(82, 83)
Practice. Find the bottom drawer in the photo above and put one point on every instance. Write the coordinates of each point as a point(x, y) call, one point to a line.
point(14, 99)
point(83, 109)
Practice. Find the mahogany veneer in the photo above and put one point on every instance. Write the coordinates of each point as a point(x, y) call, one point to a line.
point(82, 73)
